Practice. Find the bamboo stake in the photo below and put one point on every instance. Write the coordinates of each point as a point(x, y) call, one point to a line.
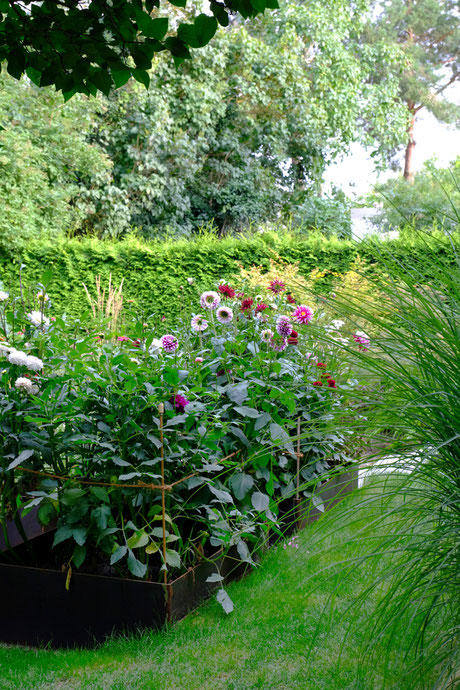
point(161, 409)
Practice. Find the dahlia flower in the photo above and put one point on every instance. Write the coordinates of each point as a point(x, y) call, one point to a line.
point(224, 314)
point(261, 307)
point(37, 319)
point(283, 326)
point(34, 363)
point(302, 314)
point(226, 290)
point(3, 295)
point(337, 323)
point(199, 360)
point(169, 343)
point(266, 335)
point(293, 338)
point(17, 357)
point(246, 304)
point(331, 383)
point(318, 383)
point(277, 286)
point(24, 384)
point(42, 296)
point(155, 346)
point(190, 281)
point(290, 298)
point(199, 323)
point(210, 300)
point(179, 402)
point(362, 339)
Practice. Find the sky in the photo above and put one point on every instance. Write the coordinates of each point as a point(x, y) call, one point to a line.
point(355, 174)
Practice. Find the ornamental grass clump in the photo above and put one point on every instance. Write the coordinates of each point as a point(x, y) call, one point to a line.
point(408, 417)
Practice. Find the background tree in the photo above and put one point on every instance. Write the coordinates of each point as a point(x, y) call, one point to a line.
point(428, 34)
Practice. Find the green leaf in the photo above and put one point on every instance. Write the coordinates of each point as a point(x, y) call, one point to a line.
point(171, 376)
point(222, 496)
point(205, 28)
point(79, 534)
point(16, 62)
point(214, 577)
point(79, 555)
point(141, 76)
point(224, 600)
point(243, 552)
point(138, 539)
point(247, 412)
point(263, 420)
point(239, 434)
point(120, 77)
point(241, 483)
point(218, 10)
point(100, 493)
point(173, 558)
point(136, 567)
point(118, 554)
point(62, 533)
point(260, 501)
point(101, 515)
point(22, 457)
point(237, 392)
point(46, 513)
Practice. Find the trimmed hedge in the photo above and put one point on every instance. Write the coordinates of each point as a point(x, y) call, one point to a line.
point(156, 273)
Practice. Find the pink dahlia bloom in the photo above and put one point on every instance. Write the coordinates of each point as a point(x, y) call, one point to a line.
point(199, 360)
point(277, 286)
point(224, 314)
point(123, 338)
point(266, 335)
point(210, 300)
point(169, 343)
point(199, 323)
point(283, 326)
point(302, 314)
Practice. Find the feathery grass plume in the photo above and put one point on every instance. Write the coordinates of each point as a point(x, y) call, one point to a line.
point(407, 415)
point(108, 307)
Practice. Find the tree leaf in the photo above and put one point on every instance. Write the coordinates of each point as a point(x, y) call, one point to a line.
point(247, 412)
point(222, 496)
point(173, 558)
point(214, 577)
point(237, 392)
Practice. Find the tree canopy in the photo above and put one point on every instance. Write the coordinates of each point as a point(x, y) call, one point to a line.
point(89, 46)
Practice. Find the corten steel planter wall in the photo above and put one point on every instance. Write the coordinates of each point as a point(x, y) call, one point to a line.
point(37, 609)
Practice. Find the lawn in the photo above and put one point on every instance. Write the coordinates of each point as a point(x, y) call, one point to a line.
point(264, 643)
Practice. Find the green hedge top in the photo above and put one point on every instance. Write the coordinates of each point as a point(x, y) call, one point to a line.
point(155, 274)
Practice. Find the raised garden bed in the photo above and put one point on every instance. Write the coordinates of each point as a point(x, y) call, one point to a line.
point(43, 611)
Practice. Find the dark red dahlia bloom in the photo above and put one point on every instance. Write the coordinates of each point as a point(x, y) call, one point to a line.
point(261, 307)
point(321, 365)
point(290, 298)
point(226, 290)
point(179, 402)
point(277, 286)
point(318, 383)
point(293, 338)
point(331, 383)
point(246, 304)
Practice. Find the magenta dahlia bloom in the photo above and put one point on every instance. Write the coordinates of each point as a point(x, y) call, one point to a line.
point(283, 326)
point(224, 314)
point(179, 402)
point(302, 314)
point(277, 286)
point(278, 344)
point(199, 323)
point(210, 300)
point(226, 290)
point(362, 339)
point(169, 343)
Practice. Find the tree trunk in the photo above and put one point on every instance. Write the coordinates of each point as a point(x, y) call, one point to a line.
point(408, 173)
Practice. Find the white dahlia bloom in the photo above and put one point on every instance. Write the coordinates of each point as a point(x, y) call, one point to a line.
point(34, 363)
point(17, 357)
point(3, 296)
point(23, 384)
point(37, 319)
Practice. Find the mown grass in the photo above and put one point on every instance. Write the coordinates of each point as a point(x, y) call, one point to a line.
point(281, 615)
